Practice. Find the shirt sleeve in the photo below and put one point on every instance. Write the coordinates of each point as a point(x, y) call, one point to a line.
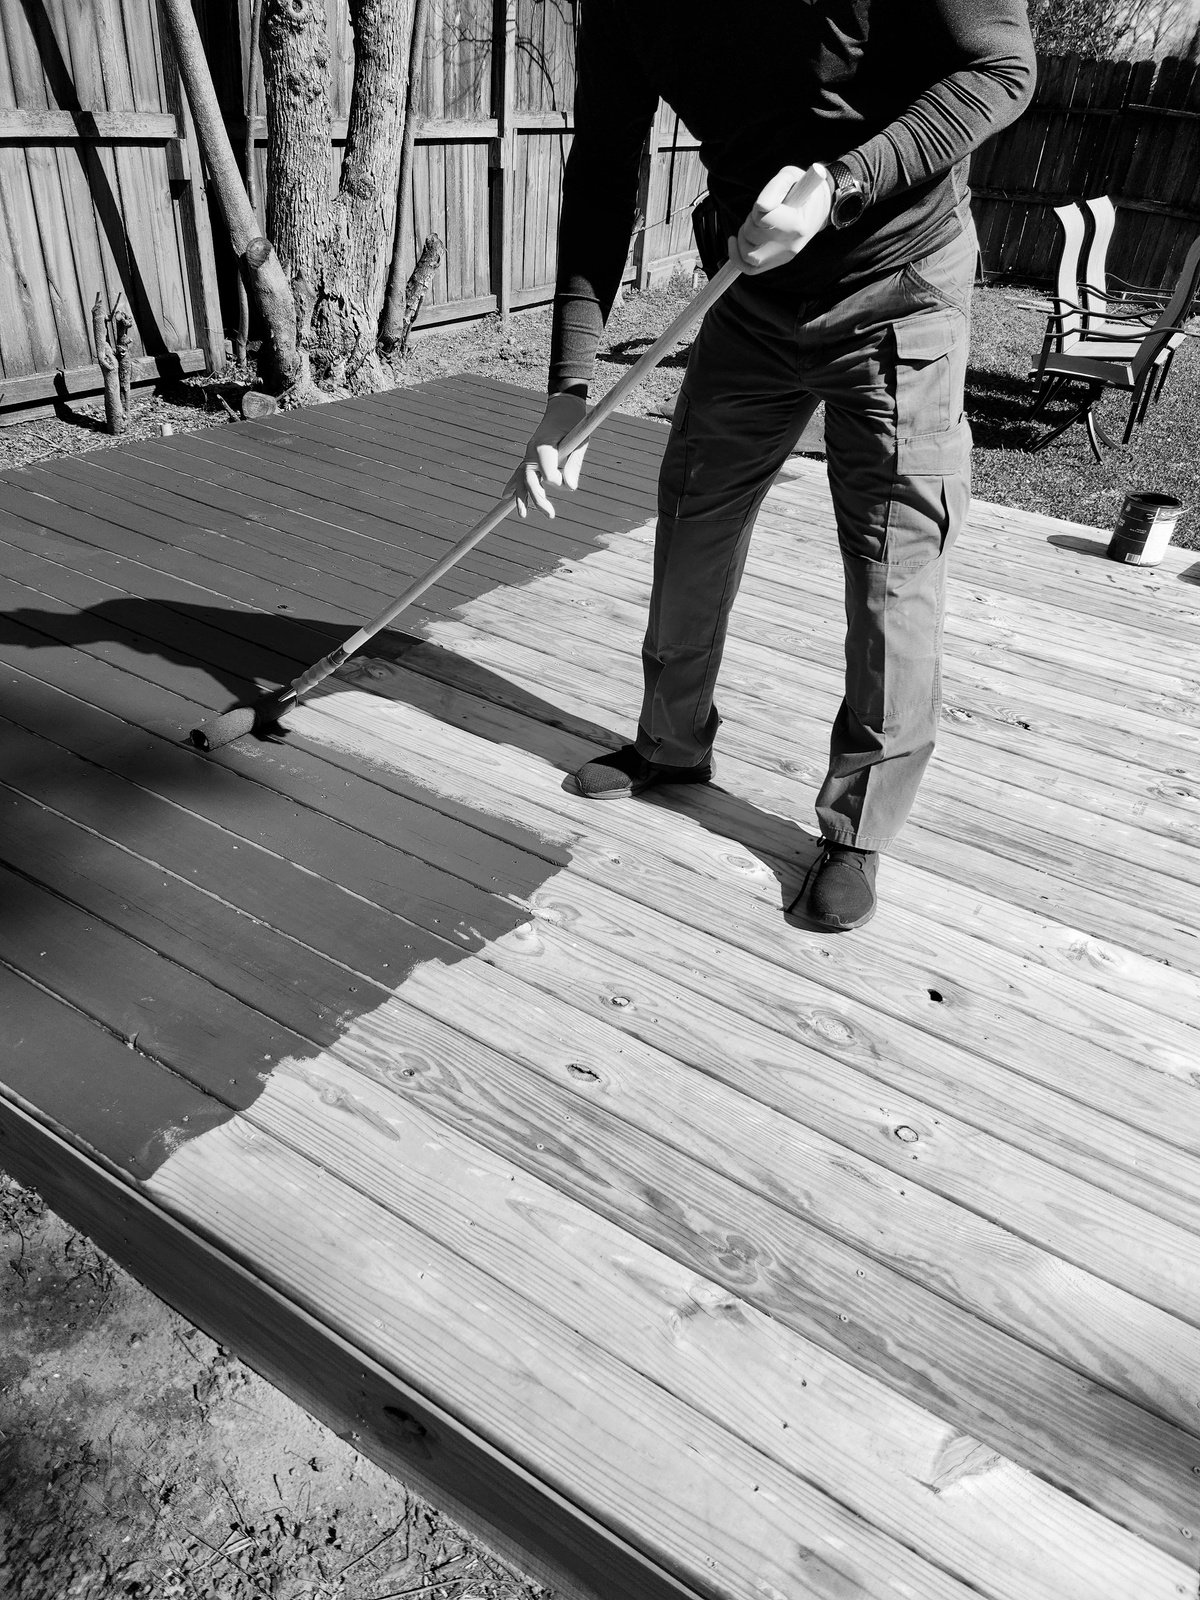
point(991, 72)
point(614, 111)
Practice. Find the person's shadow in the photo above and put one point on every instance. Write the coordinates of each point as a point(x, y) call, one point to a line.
point(107, 802)
point(246, 653)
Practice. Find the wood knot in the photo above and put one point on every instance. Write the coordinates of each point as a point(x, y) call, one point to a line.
point(832, 1027)
point(414, 1436)
point(360, 184)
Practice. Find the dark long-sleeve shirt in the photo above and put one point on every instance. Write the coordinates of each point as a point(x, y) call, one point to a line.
point(902, 91)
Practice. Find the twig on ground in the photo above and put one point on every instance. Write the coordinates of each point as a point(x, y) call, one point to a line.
point(237, 1510)
point(341, 1573)
point(241, 1571)
point(424, 1588)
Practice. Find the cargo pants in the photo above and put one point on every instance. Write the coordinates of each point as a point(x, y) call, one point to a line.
point(888, 358)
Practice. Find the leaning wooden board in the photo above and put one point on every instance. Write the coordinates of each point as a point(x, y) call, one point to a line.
point(672, 1249)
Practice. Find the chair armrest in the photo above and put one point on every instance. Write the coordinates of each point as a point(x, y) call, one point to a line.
point(1109, 314)
point(1058, 311)
point(1137, 291)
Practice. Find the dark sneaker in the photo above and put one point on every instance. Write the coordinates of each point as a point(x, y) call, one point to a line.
point(838, 892)
point(625, 773)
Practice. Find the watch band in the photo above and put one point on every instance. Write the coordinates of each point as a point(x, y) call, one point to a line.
point(849, 195)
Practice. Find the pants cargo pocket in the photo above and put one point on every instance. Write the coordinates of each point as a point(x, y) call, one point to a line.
point(929, 495)
point(933, 437)
point(931, 369)
point(896, 603)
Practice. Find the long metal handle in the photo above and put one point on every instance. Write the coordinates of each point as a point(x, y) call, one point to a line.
point(692, 312)
point(604, 408)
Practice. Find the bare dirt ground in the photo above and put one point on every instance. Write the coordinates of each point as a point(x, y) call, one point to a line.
point(140, 1460)
point(514, 353)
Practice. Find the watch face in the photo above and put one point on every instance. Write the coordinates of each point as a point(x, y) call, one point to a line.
point(849, 202)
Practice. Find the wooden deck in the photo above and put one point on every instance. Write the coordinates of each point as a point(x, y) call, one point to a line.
point(675, 1249)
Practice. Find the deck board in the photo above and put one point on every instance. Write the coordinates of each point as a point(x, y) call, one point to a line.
point(677, 1250)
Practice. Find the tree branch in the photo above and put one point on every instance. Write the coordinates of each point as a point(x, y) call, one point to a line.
point(114, 413)
point(393, 326)
point(123, 332)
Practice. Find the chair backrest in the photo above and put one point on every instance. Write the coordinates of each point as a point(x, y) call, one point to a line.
point(1173, 313)
point(1094, 289)
point(1066, 283)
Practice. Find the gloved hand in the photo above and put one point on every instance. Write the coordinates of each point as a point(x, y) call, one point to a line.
point(540, 465)
point(792, 208)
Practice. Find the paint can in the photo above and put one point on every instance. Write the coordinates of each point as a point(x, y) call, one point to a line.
point(1144, 529)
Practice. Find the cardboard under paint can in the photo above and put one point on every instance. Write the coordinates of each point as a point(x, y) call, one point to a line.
point(1144, 529)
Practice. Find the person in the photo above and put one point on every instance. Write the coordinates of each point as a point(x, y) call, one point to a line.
point(835, 135)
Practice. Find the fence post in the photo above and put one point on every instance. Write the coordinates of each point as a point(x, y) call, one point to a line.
point(503, 154)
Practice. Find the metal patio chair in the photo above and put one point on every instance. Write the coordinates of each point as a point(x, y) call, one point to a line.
point(1132, 354)
point(1086, 291)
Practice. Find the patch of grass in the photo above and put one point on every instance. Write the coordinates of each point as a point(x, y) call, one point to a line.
point(1065, 480)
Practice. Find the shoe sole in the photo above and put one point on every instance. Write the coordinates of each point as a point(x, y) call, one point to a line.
point(844, 927)
point(819, 924)
point(604, 794)
point(636, 789)
point(813, 923)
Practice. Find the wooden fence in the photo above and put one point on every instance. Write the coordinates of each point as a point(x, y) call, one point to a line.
point(101, 192)
point(1130, 130)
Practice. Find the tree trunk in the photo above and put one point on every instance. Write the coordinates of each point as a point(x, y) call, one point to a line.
point(336, 252)
point(295, 51)
point(266, 276)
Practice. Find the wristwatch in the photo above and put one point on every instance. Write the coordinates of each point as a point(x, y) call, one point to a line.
point(849, 195)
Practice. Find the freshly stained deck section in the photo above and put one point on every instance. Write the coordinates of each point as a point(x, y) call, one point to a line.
point(677, 1249)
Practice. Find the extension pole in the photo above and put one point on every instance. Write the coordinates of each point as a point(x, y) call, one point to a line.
point(246, 718)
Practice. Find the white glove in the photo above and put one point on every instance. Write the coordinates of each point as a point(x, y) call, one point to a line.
point(792, 208)
point(540, 466)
